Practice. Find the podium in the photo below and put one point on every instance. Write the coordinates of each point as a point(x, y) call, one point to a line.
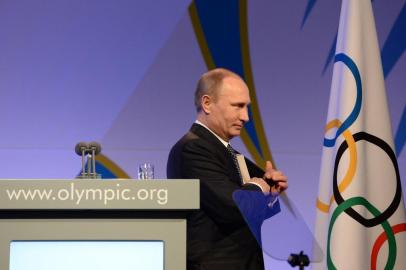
point(98, 210)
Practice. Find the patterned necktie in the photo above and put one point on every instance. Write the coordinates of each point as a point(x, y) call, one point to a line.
point(231, 151)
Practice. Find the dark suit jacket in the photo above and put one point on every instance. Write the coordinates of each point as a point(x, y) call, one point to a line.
point(217, 235)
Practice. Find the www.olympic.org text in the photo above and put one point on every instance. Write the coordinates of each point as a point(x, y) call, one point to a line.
point(79, 195)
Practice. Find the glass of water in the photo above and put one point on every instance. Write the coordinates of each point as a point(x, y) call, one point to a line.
point(146, 171)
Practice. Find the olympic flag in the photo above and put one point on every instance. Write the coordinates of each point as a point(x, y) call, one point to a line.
point(361, 221)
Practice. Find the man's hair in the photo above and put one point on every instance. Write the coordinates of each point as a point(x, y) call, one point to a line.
point(209, 84)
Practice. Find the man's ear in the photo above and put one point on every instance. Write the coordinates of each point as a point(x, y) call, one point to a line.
point(206, 103)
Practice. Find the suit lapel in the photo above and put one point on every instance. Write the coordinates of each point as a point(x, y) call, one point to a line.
point(205, 134)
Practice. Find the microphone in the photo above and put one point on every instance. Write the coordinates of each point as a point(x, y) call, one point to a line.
point(81, 147)
point(89, 151)
point(95, 146)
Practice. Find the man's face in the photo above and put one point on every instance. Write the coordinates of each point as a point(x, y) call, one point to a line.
point(229, 110)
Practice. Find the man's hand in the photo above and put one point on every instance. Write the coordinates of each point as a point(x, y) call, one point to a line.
point(277, 177)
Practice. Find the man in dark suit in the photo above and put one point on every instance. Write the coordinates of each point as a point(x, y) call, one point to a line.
point(217, 234)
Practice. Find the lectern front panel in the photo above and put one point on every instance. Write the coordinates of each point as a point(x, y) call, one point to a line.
point(168, 236)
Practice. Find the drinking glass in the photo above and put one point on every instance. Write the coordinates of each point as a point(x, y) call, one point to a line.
point(146, 171)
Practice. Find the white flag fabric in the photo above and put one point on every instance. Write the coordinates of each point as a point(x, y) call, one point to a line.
point(360, 221)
